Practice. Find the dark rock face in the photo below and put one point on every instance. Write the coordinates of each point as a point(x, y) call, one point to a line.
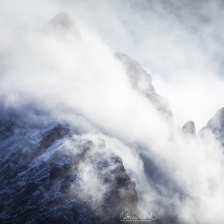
point(216, 126)
point(50, 173)
point(142, 82)
point(189, 128)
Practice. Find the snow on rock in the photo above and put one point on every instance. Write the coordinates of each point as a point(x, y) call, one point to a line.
point(52, 174)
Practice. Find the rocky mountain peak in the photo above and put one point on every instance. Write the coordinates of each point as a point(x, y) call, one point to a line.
point(216, 126)
point(142, 82)
point(62, 21)
point(189, 128)
point(217, 121)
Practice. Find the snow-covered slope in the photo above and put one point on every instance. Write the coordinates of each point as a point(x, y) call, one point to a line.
point(61, 25)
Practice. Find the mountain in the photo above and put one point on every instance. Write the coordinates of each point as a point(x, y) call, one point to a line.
point(142, 82)
point(54, 171)
point(61, 25)
point(215, 126)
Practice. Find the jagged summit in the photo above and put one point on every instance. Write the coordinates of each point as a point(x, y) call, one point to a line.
point(51, 173)
point(216, 126)
point(62, 24)
point(189, 128)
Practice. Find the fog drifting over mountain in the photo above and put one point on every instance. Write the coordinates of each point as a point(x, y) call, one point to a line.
point(69, 70)
point(177, 42)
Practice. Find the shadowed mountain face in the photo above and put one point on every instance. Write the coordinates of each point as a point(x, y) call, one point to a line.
point(50, 173)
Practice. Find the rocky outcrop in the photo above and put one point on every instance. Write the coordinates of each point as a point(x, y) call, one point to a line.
point(61, 25)
point(216, 126)
point(189, 128)
point(51, 173)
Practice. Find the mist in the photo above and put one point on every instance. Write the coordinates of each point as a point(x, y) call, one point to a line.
point(73, 75)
